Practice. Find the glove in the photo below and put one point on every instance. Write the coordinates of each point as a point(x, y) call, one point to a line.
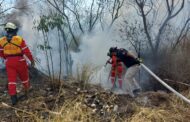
point(32, 63)
point(139, 60)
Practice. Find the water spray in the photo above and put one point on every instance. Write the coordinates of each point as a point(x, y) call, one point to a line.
point(166, 85)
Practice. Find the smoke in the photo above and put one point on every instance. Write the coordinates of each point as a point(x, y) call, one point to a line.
point(94, 49)
point(20, 8)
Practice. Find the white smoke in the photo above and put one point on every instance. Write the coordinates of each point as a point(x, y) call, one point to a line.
point(94, 49)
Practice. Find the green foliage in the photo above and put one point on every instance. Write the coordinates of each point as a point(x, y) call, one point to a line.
point(44, 47)
point(50, 22)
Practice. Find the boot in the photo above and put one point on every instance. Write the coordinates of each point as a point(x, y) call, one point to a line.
point(113, 83)
point(26, 93)
point(136, 92)
point(24, 96)
point(14, 99)
point(120, 83)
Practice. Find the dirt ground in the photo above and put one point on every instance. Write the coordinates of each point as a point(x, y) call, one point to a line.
point(44, 100)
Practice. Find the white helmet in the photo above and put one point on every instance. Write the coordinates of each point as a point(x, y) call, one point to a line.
point(10, 25)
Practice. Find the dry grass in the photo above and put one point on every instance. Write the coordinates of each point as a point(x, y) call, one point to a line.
point(74, 110)
point(175, 64)
point(84, 73)
point(176, 111)
point(149, 115)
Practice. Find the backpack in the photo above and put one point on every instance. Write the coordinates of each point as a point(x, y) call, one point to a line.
point(127, 60)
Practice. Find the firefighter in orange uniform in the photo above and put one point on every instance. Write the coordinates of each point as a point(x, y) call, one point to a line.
point(116, 69)
point(12, 49)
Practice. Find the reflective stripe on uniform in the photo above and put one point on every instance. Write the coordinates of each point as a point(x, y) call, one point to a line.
point(26, 81)
point(12, 83)
point(24, 48)
point(22, 59)
point(112, 78)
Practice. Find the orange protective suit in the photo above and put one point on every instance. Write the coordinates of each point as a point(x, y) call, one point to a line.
point(15, 63)
point(116, 71)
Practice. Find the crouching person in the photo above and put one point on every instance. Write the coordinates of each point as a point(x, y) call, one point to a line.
point(132, 65)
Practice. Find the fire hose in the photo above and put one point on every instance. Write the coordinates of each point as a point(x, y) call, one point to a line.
point(166, 85)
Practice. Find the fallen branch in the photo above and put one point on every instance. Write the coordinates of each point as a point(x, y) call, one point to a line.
point(177, 82)
point(166, 85)
point(8, 106)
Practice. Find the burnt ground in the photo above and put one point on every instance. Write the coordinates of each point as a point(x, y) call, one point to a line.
point(44, 99)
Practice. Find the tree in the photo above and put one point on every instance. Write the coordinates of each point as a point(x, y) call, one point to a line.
point(87, 16)
point(132, 32)
point(43, 26)
point(149, 9)
point(79, 19)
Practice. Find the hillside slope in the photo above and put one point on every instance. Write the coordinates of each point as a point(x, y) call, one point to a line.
point(69, 101)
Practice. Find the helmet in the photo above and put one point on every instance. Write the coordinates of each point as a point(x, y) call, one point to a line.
point(10, 25)
point(11, 30)
point(112, 49)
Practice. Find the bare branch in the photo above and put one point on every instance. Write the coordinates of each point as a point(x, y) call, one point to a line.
point(141, 7)
point(168, 7)
point(90, 21)
point(172, 5)
point(97, 15)
point(151, 6)
point(181, 33)
point(168, 18)
point(55, 5)
point(115, 13)
point(182, 5)
point(138, 3)
point(113, 10)
point(77, 17)
point(137, 9)
point(1, 2)
point(6, 10)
